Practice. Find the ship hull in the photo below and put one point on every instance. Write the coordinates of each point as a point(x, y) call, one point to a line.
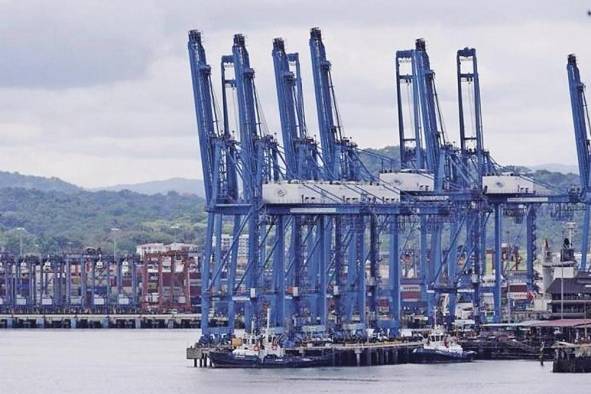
point(229, 360)
point(427, 356)
point(572, 365)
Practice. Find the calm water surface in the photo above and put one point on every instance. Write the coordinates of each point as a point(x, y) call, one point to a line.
point(153, 361)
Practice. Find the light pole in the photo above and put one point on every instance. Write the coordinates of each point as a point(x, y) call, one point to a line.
point(562, 291)
point(115, 230)
point(20, 230)
point(175, 227)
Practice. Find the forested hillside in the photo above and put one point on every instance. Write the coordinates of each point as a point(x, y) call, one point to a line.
point(179, 185)
point(56, 221)
point(57, 216)
point(14, 179)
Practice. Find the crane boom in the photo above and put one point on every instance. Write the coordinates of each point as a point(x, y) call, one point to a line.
point(580, 122)
point(204, 109)
point(247, 114)
point(582, 128)
point(328, 129)
point(338, 153)
point(468, 74)
point(301, 151)
point(285, 81)
point(428, 109)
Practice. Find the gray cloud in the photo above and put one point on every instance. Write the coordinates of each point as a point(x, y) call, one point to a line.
point(67, 43)
point(99, 92)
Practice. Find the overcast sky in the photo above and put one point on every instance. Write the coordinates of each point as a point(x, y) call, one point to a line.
point(98, 92)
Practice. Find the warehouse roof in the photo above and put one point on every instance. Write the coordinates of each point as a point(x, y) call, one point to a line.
point(559, 323)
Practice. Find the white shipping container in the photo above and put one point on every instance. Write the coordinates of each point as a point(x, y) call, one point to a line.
point(318, 192)
point(99, 300)
point(21, 300)
point(378, 193)
point(298, 193)
point(409, 181)
point(507, 184)
point(46, 301)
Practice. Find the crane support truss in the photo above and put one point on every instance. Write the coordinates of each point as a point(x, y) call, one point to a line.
point(316, 238)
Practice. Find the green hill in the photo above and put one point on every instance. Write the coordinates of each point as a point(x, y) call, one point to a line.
point(56, 221)
point(15, 179)
point(387, 158)
point(179, 185)
point(58, 216)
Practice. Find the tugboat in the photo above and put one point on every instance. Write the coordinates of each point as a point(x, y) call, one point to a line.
point(571, 357)
point(264, 351)
point(440, 348)
point(257, 352)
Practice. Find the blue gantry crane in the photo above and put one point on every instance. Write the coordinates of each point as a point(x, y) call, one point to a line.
point(219, 160)
point(302, 162)
point(236, 169)
point(422, 153)
point(582, 127)
point(466, 175)
point(314, 225)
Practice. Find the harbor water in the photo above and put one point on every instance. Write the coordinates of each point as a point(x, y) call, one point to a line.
point(153, 361)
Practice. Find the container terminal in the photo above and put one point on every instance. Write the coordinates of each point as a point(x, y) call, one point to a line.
point(343, 259)
point(302, 238)
point(153, 289)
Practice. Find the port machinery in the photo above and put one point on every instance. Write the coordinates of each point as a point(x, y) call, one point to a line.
point(582, 128)
point(90, 282)
point(319, 223)
point(66, 283)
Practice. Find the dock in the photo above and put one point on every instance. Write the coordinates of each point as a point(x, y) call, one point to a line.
point(572, 357)
point(97, 320)
point(343, 355)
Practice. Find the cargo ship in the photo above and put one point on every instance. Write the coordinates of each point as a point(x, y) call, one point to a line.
point(440, 348)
